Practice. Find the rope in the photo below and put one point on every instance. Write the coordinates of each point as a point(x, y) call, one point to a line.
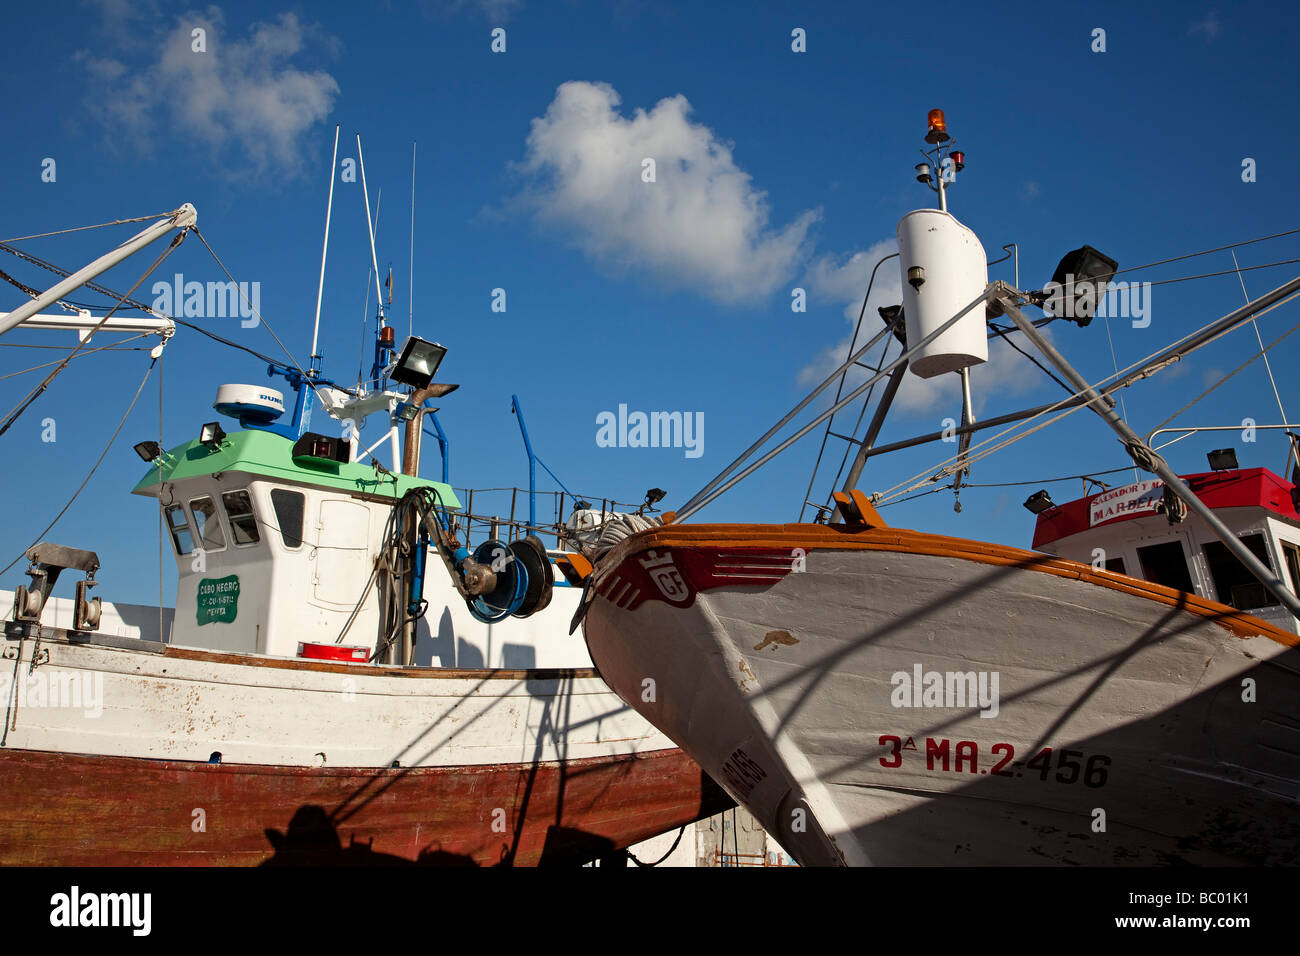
point(632, 856)
point(93, 468)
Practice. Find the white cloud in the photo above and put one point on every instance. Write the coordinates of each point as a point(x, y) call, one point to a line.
point(241, 94)
point(702, 224)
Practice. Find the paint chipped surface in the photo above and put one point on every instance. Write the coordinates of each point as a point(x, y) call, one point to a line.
point(776, 637)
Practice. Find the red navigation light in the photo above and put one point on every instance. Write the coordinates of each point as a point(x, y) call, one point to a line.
point(938, 128)
point(958, 160)
point(386, 336)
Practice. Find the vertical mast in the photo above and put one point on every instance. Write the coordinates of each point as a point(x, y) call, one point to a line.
point(410, 294)
point(374, 262)
point(320, 288)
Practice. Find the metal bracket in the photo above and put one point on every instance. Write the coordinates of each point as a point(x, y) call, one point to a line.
point(48, 561)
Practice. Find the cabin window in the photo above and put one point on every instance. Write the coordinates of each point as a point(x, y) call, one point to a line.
point(208, 525)
point(179, 526)
point(1292, 555)
point(1235, 585)
point(243, 522)
point(1166, 564)
point(1116, 565)
point(289, 508)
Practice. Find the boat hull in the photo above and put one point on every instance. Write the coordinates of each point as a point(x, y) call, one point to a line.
point(55, 811)
point(121, 752)
point(1121, 722)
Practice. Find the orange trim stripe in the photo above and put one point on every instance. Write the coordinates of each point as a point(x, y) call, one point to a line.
point(848, 538)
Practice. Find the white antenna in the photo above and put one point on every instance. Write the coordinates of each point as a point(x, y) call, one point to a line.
point(329, 208)
point(410, 295)
point(373, 261)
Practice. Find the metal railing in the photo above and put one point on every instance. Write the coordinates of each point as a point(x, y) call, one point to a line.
point(486, 512)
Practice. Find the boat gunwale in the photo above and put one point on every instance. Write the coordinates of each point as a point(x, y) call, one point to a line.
point(14, 631)
point(845, 537)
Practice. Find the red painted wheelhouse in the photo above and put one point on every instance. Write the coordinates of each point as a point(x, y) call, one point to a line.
point(1128, 530)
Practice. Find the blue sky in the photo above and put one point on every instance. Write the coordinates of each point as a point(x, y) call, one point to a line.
point(775, 170)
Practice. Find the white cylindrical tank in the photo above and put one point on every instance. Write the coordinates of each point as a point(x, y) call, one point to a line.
point(954, 271)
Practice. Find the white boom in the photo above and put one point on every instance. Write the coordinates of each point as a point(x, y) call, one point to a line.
point(182, 218)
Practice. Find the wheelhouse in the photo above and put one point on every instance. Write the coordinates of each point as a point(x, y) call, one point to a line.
point(1127, 530)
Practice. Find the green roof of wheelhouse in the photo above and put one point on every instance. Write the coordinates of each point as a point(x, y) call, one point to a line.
point(267, 455)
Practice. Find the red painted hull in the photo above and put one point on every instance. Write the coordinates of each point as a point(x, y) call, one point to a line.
point(77, 810)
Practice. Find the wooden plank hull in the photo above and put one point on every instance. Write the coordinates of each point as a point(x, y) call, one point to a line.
point(775, 654)
point(79, 810)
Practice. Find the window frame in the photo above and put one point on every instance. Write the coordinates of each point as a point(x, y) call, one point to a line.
point(233, 517)
point(173, 528)
point(216, 514)
point(1214, 565)
point(279, 523)
point(1291, 558)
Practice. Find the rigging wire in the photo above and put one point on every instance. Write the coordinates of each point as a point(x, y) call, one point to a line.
point(1225, 378)
point(36, 392)
point(1193, 255)
point(1002, 333)
point(848, 446)
point(89, 474)
point(894, 491)
point(98, 225)
point(1229, 272)
point(305, 377)
point(1267, 365)
point(159, 462)
point(840, 388)
point(125, 300)
point(1114, 362)
point(931, 491)
point(102, 348)
point(105, 348)
point(1048, 481)
point(60, 271)
point(234, 345)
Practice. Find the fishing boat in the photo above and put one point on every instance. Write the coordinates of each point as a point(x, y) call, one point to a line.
point(1125, 694)
point(358, 669)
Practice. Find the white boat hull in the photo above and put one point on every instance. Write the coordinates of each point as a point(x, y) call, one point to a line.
point(1172, 729)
